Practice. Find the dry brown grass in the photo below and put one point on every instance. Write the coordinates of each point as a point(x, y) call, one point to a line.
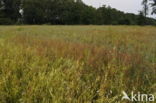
point(76, 64)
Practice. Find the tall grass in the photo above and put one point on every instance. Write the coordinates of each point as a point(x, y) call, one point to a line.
point(79, 64)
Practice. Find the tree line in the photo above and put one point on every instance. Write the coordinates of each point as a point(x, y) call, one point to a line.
point(69, 12)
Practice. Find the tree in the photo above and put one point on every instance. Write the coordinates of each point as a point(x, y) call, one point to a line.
point(153, 4)
point(34, 11)
point(145, 7)
point(60, 11)
point(78, 1)
point(5, 19)
point(68, 12)
point(104, 15)
point(141, 18)
point(11, 9)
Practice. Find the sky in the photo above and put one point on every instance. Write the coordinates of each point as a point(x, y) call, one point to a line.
point(129, 6)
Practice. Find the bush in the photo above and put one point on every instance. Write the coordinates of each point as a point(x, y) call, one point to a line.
point(5, 21)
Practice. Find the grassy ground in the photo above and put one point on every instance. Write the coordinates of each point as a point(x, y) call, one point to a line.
point(76, 64)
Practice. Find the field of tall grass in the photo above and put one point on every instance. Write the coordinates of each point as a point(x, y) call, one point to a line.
point(76, 64)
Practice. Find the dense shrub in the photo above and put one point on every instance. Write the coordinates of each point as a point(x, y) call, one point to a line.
point(6, 21)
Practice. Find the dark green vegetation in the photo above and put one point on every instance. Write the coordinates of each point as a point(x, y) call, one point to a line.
point(67, 12)
point(153, 4)
point(76, 64)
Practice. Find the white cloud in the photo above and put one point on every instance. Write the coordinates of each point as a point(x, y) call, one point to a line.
point(131, 6)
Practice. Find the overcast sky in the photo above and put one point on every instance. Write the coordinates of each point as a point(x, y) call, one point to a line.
point(130, 6)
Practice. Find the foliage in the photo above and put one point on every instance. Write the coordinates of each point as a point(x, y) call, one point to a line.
point(11, 9)
point(66, 12)
point(145, 7)
point(153, 4)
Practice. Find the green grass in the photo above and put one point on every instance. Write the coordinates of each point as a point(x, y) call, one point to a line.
point(76, 64)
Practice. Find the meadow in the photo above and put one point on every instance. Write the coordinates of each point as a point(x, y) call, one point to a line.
point(76, 64)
